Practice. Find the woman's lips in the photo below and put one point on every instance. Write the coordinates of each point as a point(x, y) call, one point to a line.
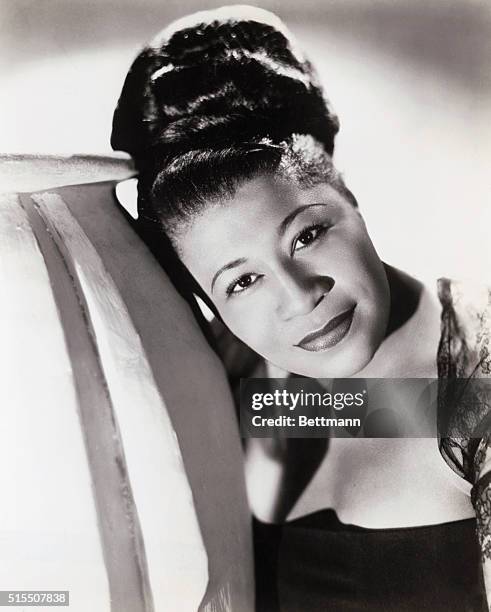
point(329, 335)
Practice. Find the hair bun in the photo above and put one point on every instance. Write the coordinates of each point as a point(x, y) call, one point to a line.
point(219, 77)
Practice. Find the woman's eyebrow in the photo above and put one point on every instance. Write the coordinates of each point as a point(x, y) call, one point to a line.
point(288, 220)
point(232, 264)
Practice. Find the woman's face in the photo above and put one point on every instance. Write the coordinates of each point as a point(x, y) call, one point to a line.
point(293, 274)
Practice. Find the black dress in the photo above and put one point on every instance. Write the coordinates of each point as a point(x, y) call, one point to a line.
point(318, 564)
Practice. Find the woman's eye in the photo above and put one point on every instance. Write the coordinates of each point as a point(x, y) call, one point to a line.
point(242, 283)
point(307, 237)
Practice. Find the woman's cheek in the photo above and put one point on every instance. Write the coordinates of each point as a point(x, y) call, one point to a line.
point(251, 322)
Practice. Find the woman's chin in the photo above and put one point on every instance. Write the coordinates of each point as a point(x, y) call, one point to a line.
point(343, 368)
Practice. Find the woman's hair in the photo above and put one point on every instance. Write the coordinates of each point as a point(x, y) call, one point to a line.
point(215, 99)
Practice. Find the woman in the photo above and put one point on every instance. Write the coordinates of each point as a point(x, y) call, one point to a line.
point(233, 141)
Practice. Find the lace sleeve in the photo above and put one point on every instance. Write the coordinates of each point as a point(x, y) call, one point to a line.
point(481, 496)
point(481, 500)
point(464, 355)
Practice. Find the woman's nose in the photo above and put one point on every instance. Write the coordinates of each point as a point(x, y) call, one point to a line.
point(301, 292)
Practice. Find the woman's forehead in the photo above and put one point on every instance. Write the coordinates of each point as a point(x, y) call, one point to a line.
point(258, 203)
point(238, 225)
point(269, 197)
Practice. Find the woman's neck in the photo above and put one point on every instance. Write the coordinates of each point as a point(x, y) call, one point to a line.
point(410, 345)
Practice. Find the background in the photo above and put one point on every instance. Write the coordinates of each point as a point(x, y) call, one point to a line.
point(409, 79)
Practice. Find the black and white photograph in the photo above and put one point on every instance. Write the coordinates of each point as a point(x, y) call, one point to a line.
point(245, 345)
